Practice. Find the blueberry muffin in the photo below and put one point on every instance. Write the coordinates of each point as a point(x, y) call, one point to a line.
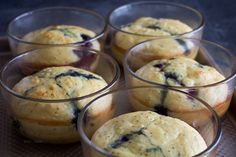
point(61, 54)
point(180, 73)
point(55, 122)
point(58, 35)
point(146, 28)
point(128, 135)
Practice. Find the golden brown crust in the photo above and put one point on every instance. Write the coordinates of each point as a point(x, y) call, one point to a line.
point(130, 135)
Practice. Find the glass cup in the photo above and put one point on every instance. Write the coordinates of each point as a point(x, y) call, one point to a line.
point(53, 119)
point(126, 100)
point(121, 40)
point(217, 94)
point(41, 18)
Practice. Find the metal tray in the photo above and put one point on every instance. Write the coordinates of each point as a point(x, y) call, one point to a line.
point(14, 145)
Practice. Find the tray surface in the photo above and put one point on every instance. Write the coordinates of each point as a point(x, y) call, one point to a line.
point(13, 145)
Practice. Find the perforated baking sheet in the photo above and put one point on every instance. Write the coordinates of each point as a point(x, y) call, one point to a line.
point(14, 145)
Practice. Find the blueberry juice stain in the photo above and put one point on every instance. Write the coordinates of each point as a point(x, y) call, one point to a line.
point(86, 58)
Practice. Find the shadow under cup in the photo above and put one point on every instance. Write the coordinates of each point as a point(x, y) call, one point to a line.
point(122, 41)
point(129, 100)
point(217, 94)
point(47, 120)
point(41, 18)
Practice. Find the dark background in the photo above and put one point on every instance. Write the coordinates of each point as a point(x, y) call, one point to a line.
point(220, 15)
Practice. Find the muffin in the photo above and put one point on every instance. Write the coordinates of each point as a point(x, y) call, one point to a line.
point(147, 133)
point(60, 35)
point(55, 121)
point(146, 28)
point(181, 73)
point(59, 56)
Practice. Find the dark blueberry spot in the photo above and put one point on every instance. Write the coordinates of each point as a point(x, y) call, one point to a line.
point(125, 138)
point(158, 27)
point(161, 110)
point(76, 74)
point(159, 65)
point(171, 75)
point(85, 37)
point(58, 84)
point(120, 141)
point(76, 112)
point(87, 44)
point(182, 84)
point(86, 58)
point(184, 46)
point(16, 124)
point(153, 27)
point(192, 92)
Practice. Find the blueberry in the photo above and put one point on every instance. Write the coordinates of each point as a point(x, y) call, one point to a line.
point(120, 141)
point(125, 138)
point(16, 124)
point(184, 45)
point(161, 110)
point(87, 44)
point(172, 75)
point(73, 73)
point(192, 92)
point(153, 27)
point(86, 58)
point(76, 112)
point(159, 65)
point(85, 37)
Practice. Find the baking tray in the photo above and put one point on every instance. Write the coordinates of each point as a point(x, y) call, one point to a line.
point(14, 145)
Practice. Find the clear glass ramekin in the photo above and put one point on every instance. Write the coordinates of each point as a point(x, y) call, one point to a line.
point(41, 18)
point(209, 53)
point(58, 122)
point(128, 13)
point(207, 123)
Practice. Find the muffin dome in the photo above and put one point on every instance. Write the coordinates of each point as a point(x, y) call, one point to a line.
point(180, 72)
point(146, 28)
point(55, 122)
point(59, 34)
point(147, 133)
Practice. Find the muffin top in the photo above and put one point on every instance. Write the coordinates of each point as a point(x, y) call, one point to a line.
point(56, 83)
point(165, 48)
point(148, 28)
point(180, 71)
point(59, 34)
point(183, 72)
point(129, 135)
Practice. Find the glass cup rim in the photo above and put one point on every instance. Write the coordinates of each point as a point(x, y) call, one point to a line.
point(104, 55)
point(96, 37)
point(100, 150)
point(227, 79)
point(198, 13)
